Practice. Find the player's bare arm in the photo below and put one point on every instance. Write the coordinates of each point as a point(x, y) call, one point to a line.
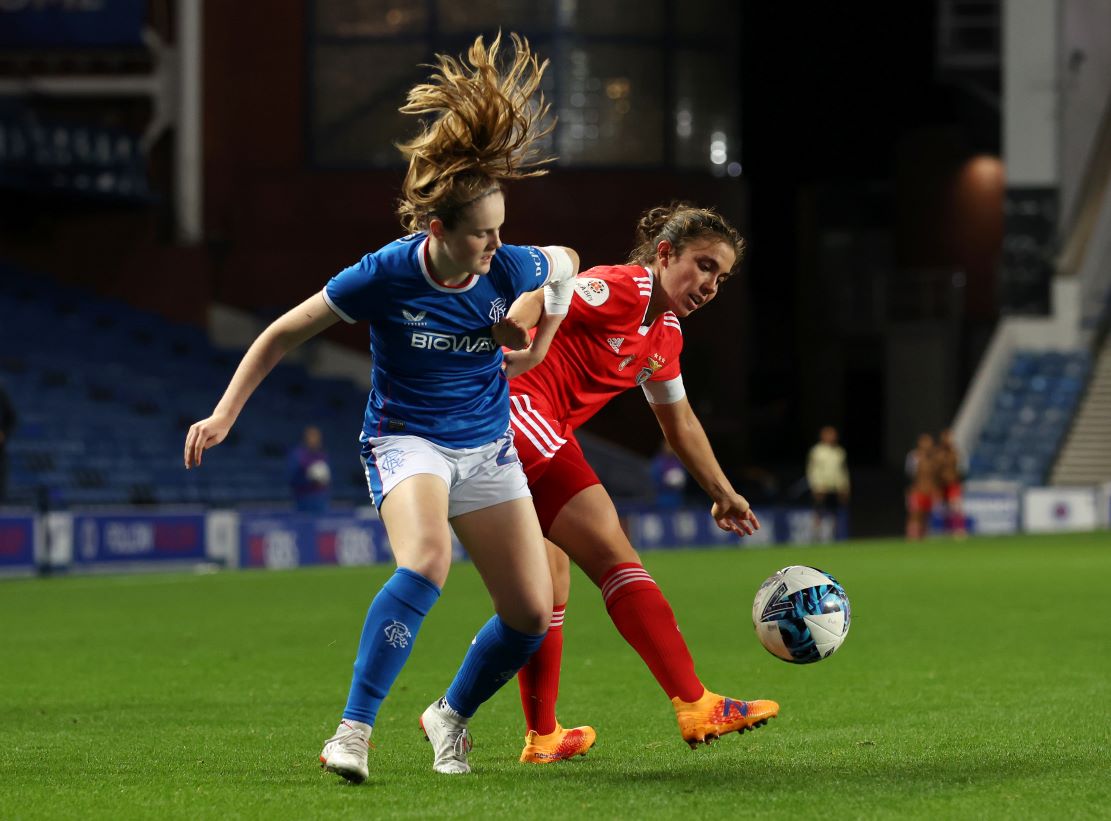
point(513, 331)
point(527, 308)
point(556, 295)
point(687, 437)
point(519, 361)
point(282, 335)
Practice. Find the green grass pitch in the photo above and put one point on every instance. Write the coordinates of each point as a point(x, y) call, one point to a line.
point(975, 683)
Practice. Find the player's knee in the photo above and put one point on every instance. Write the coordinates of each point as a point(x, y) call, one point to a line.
point(429, 560)
point(530, 620)
point(606, 554)
point(596, 546)
point(538, 622)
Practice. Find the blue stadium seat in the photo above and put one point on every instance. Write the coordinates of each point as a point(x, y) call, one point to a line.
point(1030, 416)
point(105, 403)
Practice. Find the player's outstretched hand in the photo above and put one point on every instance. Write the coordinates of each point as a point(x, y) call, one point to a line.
point(509, 333)
point(735, 514)
point(204, 435)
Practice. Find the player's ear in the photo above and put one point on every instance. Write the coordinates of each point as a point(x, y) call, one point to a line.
point(436, 228)
point(663, 252)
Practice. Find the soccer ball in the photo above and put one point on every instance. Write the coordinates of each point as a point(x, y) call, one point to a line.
point(801, 614)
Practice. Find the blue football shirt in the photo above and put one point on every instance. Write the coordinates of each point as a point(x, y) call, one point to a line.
point(436, 370)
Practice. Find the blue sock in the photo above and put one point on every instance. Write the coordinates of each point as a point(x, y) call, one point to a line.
point(391, 626)
point(494, 657)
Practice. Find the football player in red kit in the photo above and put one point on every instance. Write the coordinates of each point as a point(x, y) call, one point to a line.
point(623, 330)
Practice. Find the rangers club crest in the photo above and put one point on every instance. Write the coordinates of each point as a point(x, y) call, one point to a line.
point(391, 460)
point(397, 635)
point(497, 310)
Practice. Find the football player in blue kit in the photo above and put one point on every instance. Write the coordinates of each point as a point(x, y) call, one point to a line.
point(436, 442)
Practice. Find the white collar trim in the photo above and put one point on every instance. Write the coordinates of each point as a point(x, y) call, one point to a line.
point(422, 258)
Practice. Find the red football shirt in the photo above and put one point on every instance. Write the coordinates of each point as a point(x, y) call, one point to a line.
point(603, 346)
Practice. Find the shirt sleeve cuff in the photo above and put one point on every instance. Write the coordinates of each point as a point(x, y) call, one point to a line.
point(336, 309)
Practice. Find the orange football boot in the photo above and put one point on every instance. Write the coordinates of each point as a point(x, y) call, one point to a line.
point(558, 745)
point(713, 716)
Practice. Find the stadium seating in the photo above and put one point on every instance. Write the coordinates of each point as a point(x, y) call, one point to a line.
point(105, 393)
point(1031, 414)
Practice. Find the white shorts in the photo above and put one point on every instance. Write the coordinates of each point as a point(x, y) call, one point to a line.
point(475, 477)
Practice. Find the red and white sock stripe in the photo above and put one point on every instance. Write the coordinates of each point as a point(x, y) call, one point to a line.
point(557, 617)
point(622, 575)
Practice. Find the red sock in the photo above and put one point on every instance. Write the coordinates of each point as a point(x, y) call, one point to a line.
point(539, 678)
point(643, 616)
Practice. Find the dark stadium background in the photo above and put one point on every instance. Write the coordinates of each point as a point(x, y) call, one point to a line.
point(866, 297)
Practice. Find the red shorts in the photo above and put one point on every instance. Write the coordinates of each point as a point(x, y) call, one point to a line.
point(552, 458)
point(952, 493)
point(919, 502)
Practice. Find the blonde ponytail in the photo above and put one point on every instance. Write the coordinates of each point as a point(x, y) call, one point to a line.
point(485, 129)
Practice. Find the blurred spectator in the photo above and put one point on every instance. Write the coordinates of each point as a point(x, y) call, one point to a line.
point(827, 473)
point(310, 478)
point(921, 467)
point(669, 477)
point(949, 472)
point(7, 425)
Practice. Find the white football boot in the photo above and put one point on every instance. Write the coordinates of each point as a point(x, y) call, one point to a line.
point(447, 731)
point(345, 753)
